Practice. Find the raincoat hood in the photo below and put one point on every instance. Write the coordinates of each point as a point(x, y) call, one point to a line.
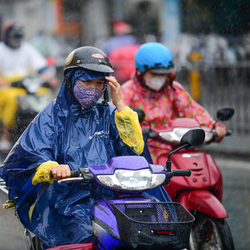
point(82, 74)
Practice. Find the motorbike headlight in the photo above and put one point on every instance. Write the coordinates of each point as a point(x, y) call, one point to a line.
point(131, 180)
point(175, 135)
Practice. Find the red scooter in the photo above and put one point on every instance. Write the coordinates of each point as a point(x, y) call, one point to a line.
point(201, 193)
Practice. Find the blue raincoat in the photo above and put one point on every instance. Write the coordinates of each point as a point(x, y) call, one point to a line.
point(65, 133)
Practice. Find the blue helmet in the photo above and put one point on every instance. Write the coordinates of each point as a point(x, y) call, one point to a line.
point(154, 57)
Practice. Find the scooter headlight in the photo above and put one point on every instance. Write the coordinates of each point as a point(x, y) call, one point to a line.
point(131, 180)
point(175, 135)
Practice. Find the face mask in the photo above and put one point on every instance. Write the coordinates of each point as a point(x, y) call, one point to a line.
point(87, 97)
point(155, 83)
point(15, 42)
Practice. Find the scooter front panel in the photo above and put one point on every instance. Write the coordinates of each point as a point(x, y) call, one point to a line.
point(205, 174)
point(105, 218)
point(203, 201)
point(197, 163)
point(105, 228)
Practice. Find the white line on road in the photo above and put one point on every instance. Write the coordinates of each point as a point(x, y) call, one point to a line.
point(3, 188)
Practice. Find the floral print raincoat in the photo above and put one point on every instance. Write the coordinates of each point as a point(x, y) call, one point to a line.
point(163, 106)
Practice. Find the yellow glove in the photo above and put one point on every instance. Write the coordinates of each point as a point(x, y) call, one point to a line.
point(129, 129)
point(42, 173)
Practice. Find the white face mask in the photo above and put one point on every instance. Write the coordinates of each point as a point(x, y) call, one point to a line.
point(155, 83)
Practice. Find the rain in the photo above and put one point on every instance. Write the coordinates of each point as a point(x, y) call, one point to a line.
point(210, 44)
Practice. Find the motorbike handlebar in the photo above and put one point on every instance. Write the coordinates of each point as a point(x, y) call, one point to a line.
point(215, 135)
point(82, 173)
point(17, 84)
point(181, 172)
point(20, 84)
point(75, 173)
point(177, 172)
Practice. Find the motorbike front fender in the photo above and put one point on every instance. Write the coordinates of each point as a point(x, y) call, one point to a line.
point(203, 201)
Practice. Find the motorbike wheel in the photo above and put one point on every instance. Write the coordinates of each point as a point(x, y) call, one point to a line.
point(209, 233)
point(32, 241)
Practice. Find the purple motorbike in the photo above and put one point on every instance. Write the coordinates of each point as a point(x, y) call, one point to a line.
point(130, 220)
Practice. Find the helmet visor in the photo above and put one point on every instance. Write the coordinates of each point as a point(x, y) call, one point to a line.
point(86, 75)
point(162, 70)
point(102, 68)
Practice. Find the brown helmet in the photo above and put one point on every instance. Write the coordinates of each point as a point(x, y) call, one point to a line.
point(89, 58)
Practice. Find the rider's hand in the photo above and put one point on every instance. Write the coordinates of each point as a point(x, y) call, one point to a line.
point(4, 83)
point(221, 132)
point(116, 93)
point(60, 172)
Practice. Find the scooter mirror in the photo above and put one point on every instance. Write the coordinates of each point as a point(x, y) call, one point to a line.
point(193, 138)
point(140, 113)
point(225, 114)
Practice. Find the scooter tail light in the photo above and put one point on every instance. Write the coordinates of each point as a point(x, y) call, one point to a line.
point(165, 232)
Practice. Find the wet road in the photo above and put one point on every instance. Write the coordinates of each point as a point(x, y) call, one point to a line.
point(11, 230)
point(236, 199)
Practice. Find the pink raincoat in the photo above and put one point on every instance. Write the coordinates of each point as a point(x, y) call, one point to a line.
point(163, 106)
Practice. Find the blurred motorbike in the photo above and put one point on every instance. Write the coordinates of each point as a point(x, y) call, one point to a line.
point(130, 220)
point(123, 62)
point(39, 94)
point(202, 193)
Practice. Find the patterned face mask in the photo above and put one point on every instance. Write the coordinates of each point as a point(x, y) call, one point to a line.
point(87, 97)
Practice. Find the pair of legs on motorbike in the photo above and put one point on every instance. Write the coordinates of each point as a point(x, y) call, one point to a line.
point(8, 109)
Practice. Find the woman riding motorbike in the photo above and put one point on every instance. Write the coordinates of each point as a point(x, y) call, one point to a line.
point(75, 130)
point(154, 90)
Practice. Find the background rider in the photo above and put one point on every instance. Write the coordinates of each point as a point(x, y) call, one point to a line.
point(154, 89)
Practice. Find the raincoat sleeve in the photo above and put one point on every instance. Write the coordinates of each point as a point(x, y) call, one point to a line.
point(186, 106)
point(129, 129)
point(122, 148)
point(42, 173)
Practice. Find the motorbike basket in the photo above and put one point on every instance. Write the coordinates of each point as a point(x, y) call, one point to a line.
point(157, 225)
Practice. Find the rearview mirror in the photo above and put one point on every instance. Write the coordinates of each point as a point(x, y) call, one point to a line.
point(225, 114)
point(193, 138)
